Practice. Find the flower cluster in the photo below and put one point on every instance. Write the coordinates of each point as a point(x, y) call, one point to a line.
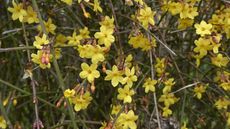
point(210, 41)
point(105, 36)
point(223, 80)
point(140, 41)
point(199, 90)
point(168, 98)
point(80, 100)
point(149, 85)
point(146, 16)
point(160, 67)
point(23, 14)
point(186, 10)
point(137, 53)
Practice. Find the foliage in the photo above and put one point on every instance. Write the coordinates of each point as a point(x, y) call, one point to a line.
point(115, 64)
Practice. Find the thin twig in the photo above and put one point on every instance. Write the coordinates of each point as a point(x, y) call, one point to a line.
point(31, 48)
point(26, 40)
point(56, 67)
point(154, 94)
point(165, 46)
point(65, 122)
point(116, 28)
point(38, 123)
point(226, 1)
point(185, 87)
point(25, 92)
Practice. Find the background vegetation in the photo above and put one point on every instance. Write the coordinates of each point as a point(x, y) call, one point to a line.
point(179, 50)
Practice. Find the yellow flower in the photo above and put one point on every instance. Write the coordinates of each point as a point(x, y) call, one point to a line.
point(5, 101)
point(198, 57)
point(128, 60)
point(85, 51)
point(103, 125)
point(108, 22)
point(40, 41)
point(127, 121)
point(185, 23)
point(69, 2)
point(74, 39)
point(31, 16)
point(84, 33)
point(95, 52)
point(89, 72)
point(168, 99)
point(149, 85)
point(17, 11)
point(39, 57)
point(168, 85)
point(203, 28)
point(15, 102)
point(202, 46)
point(140, 41)
point(130, 77)
point(174, 7)
point(136, 41)
point(86, 14)
point(60, 40)
point(220, 61)
point(69, 93)
point(129, 2)
point(49, 26)
point(170, 82)
point(225, 85)
point(81, 101)
point(222, 76)
point(228, 116)
point(96, 6)
point(116, 109)
point(188, 12)
point(160, 66)
point(146, 17)
point(215, 40)
point(125, 94)
point(222, 103)
point(57, 53)
point(166, 112)
point(215, 47)
point(184, 126)
point(3, 124)
point(199, 90)
point(105, 36)
point(114, 75)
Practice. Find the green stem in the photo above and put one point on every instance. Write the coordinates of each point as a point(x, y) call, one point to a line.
point(27, 43)
point(154, 94)
point(25, 92)
point(31, 48)
point(56, 66)
point(3, 111)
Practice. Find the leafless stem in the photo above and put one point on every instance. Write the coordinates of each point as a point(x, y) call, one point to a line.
point(152, 77)
point(37, 124)
point(116, 28)
point(226, 1)
point(185, 87)
point(56, 66)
